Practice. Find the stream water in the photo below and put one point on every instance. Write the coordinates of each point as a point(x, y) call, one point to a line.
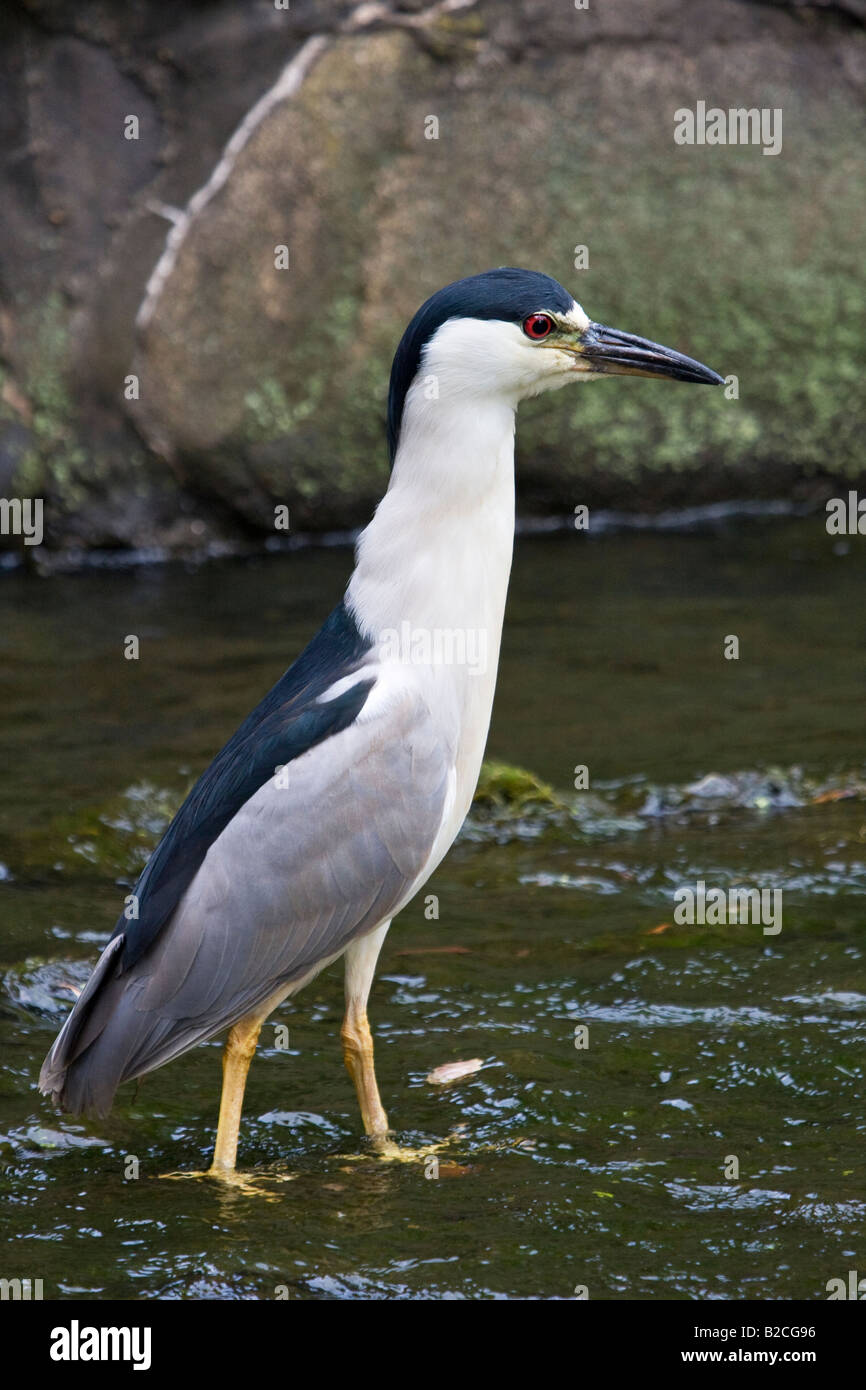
point(706, 1142)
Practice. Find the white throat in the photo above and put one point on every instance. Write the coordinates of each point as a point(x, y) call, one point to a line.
point(433, 566)
point(437, 553)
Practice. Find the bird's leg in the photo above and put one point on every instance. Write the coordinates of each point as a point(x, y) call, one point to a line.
point(357, 1040)
point(358, 1056)
point(239, 1049)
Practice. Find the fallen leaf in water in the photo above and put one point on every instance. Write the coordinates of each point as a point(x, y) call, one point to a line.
point(435, 951)
point(452, 1071)
point(655, 931)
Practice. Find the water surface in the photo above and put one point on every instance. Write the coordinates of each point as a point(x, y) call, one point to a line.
point(558, 1167)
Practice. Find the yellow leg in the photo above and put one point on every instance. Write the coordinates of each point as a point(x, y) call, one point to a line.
point(358, 1056)
point(238, 1054)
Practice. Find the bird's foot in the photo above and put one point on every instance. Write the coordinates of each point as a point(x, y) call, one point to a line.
point(386, 1148)
point(249, 1184)
point(390, 1151)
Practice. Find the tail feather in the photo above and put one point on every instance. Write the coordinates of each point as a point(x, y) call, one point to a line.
point(108, 1038)
point(77, 1033)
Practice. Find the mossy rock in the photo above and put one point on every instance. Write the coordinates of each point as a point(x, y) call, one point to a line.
point(503, 786)
point(268, 386)
point(111, 840)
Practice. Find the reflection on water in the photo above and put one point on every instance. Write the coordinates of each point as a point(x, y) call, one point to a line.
point(559, 1165)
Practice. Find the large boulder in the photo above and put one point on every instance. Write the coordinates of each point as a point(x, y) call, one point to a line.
point(553, 130)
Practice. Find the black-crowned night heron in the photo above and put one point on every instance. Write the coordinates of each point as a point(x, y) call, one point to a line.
point(339, 795)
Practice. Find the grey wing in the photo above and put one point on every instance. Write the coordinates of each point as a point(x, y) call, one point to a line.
point(317, 856)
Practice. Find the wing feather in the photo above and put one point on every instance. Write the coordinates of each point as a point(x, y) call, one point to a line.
point(298, 872)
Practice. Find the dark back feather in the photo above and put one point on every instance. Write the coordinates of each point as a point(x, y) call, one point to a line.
point(284, 725)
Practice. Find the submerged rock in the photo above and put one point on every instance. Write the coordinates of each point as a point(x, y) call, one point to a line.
point(114, 839)
point(504, 786)
point(512, 804)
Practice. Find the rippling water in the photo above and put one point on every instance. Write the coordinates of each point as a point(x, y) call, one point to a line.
point(558, 1166)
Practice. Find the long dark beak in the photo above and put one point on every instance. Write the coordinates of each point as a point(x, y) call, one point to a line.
point(623, 354)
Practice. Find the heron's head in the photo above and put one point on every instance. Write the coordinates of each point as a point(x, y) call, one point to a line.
point(508, 334)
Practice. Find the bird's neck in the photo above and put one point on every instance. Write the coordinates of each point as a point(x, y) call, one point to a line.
point(437, 554)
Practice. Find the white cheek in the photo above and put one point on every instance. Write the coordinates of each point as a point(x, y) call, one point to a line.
point(560, 369)
point(480, 356)
point(554, 377)
point(562, 362)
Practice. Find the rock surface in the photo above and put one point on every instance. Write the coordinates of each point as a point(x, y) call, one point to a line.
point(261, 387)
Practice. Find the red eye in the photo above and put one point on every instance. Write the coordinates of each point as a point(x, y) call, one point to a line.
point(537, 326)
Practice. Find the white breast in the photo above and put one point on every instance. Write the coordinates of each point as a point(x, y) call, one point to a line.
point(432, 574)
